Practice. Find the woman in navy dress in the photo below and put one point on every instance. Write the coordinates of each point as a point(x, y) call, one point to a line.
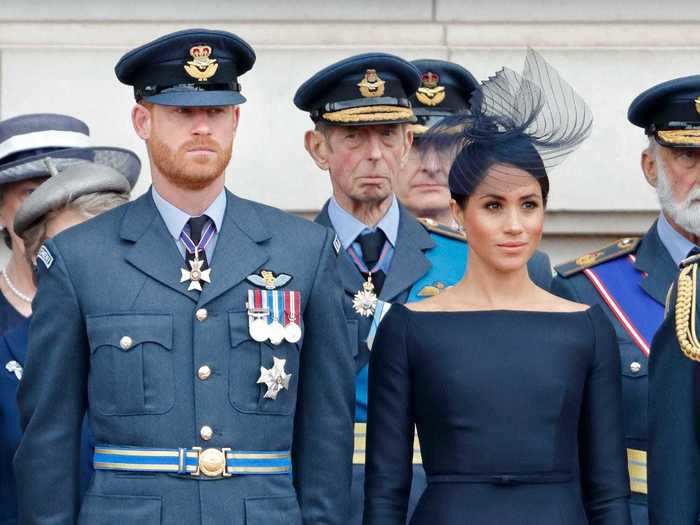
point(515, 392)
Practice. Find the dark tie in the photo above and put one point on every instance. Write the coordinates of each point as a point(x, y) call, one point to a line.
point(197, 225)
point(372, 244)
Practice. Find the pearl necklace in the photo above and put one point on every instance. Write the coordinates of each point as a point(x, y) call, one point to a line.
point(14, 289)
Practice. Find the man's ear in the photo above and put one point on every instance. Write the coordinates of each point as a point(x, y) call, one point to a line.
point(236, 117)
point(141, 119)
point(407, 143)
point(316, 143)
point(649, 167)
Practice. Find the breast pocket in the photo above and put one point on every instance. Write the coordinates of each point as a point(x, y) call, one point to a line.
point(131, 367)
point(247, 360)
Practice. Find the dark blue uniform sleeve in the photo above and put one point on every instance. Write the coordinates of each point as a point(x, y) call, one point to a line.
point(674, 458)
point(323, 425)
point(603, 460)
point(388, 469)
point(52, 400)
point(540, 270)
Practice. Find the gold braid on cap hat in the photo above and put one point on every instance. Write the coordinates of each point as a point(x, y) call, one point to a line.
point(369, 114)
point(680, 136)
point(685, 312)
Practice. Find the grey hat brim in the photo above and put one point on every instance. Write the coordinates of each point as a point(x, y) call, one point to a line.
point(63, 188)
point(197, 98)
point(124, 161)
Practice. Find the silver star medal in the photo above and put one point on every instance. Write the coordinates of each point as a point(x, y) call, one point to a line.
point(15, 368)
point(365, 300)
point(275, 378)
point(195, 274)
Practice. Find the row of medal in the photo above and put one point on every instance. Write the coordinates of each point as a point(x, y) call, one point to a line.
point(273, 315)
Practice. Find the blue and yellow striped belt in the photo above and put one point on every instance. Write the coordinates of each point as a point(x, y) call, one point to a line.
point(195, 461)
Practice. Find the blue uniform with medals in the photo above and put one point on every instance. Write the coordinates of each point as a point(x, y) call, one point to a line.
point(629, 280)
point(213, 362)
point(173, 369)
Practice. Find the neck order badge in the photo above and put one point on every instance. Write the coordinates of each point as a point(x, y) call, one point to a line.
point(365, 301)
point(196, 274)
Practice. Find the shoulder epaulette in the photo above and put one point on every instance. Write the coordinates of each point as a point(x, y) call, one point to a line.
point(617, 249)
point(440, 229)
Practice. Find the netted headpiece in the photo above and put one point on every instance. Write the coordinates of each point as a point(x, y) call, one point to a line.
point(530, 120)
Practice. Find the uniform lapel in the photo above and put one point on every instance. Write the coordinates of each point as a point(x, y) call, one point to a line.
point(654, 260)
point(237, 253)
point(409, 262)
point(154, 251)
point(350, 276)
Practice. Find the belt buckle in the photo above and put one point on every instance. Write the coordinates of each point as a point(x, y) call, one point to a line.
point(211, 462)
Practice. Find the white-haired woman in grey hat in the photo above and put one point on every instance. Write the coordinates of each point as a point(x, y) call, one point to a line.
point(70, 197)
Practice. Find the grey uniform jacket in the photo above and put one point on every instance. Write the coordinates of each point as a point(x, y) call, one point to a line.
point(118, 275)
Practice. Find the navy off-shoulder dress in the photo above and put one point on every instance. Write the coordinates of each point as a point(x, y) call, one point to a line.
point(518, 414)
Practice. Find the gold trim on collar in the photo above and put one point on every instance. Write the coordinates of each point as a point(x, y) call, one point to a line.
point(680, 136)
point(369, 114)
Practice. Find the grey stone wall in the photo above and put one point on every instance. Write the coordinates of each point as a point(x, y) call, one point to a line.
point(59, 56)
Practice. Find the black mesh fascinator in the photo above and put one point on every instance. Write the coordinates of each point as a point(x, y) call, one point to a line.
point(530, 121)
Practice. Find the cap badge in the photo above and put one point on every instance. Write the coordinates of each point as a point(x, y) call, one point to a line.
point(697, 105)
point(430, 93)
point(371, 85)
point(201, 66)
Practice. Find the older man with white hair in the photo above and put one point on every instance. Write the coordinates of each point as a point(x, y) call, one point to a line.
point(630, 279)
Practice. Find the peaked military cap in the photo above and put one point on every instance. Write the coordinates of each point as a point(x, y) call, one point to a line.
point(194, 67)
point(65, 187)
point(29, 143)
point(372, 88)
point(446, 88)
point(670, 112)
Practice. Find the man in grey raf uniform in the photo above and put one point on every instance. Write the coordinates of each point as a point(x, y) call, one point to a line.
point(631, 278)
point(361, 113)
point(203, 333)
